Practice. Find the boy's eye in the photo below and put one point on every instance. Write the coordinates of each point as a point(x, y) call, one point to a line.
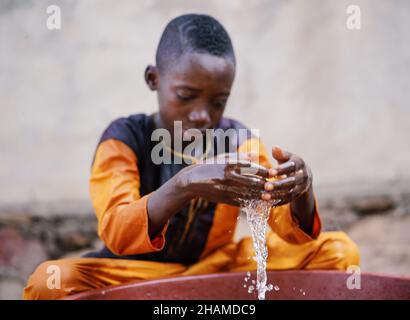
point(185, 97)
point(220, 104)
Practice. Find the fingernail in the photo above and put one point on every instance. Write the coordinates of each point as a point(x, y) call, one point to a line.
point(268, 186)
point(266, 196)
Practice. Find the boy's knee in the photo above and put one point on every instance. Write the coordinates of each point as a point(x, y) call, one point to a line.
point(341, 251)
point(51, 280)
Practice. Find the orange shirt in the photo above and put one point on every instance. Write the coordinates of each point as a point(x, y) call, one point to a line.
point(122, 178)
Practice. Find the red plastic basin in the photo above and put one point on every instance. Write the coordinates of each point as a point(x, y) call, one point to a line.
point(230, 286)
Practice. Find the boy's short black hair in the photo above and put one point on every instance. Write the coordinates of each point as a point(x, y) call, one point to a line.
point(197, 32)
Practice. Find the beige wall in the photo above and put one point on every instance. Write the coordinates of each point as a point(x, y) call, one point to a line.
point(337, 97)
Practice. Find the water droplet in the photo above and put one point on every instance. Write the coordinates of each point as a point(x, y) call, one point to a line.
point(250, 289)
point(276, 288)
point(304, 292)
point(248, 274)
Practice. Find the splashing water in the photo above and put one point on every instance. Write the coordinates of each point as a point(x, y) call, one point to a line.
point(257, 214)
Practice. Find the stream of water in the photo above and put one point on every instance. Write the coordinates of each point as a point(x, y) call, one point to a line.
point(257, 215)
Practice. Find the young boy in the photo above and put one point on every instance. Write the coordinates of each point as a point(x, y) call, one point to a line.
point(170, 219)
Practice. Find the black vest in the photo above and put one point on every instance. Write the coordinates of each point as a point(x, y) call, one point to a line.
point(184, 242)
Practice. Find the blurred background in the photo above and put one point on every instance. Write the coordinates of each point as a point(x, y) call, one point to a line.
point(337, 97)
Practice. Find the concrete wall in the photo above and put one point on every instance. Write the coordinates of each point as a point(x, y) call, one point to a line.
point(337, 97)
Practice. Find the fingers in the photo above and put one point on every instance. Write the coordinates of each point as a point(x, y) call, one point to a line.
point(289, 163)
point(251, 168)
point(234, 194)
point(275, 194)
point(279, 198)
point(285, 168)
point(248, 180)
point(280, 155)
point(282, 184)
point(287, 183)
point(286, 189)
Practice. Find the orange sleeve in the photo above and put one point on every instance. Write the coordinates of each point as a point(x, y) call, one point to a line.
point(121, 212)
point(223, 227)
point(281, 219)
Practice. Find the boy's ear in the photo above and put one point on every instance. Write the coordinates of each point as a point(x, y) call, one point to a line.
point(151, 77)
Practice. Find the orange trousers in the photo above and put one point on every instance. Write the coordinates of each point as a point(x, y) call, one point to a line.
point(331, 250)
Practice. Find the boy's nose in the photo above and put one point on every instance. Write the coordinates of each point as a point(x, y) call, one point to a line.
point(199, 117)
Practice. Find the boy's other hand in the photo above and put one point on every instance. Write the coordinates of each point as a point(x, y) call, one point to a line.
point(292, 177)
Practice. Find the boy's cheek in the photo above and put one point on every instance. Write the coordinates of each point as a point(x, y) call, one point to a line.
point(170, 114)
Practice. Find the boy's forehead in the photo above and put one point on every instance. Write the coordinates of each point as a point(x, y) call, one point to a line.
point(193, 65)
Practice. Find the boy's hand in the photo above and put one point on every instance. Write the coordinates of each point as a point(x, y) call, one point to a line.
point(293, 178)
point(234, 179)
point(226, 182)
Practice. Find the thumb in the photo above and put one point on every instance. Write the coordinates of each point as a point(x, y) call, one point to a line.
point(280, 155)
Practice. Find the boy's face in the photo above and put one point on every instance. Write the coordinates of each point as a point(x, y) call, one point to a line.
point(194, 90)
